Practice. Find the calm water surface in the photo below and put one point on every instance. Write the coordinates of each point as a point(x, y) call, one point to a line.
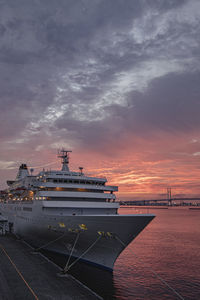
point(169, 246)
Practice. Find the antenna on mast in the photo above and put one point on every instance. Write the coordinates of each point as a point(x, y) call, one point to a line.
point(64, 155)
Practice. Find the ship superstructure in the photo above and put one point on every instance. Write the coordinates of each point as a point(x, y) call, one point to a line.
point(68, 212)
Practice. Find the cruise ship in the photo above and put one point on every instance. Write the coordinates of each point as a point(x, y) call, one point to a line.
point(69, 213)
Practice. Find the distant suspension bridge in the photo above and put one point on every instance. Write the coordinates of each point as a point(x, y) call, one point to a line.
point(169, 199)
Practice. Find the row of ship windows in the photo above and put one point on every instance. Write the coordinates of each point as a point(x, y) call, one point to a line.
point(30, 200)
point(19, 208)
point(70, 189)
point(74, 181)
point(24, 208)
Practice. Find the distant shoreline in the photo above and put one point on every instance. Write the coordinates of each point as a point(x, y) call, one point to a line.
point(194, 208)
point(145, 206)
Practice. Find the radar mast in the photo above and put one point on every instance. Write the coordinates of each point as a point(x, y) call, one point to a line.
point(64, 155)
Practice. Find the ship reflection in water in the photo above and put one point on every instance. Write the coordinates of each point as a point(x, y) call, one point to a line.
point(170, 246)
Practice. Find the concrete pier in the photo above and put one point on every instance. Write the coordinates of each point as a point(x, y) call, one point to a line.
point(25, 275)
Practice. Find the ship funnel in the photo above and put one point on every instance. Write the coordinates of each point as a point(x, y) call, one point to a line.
point(23, 172)
point(64, 155)
point(81, 170)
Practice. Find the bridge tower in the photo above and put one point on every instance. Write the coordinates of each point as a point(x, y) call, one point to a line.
point(169, 196)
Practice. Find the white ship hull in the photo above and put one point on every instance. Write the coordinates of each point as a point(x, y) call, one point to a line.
point(110, 234)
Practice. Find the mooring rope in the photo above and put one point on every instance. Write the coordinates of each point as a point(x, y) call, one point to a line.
point(86, 251)
point(156, 275)
point(51, 242)
point(66, 266)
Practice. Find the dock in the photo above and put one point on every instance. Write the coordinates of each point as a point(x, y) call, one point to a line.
point(25, 274)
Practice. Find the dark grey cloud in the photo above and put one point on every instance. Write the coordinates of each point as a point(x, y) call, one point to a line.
point(91, 71)
point(168, 105)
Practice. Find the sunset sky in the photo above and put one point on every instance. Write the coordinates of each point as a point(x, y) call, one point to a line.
point(115, 81)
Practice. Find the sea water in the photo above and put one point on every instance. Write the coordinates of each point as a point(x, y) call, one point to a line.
point(168, 247)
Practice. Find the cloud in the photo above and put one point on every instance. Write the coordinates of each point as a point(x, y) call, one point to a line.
point(116, 79)
point(166, 107)
point(196, 153)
